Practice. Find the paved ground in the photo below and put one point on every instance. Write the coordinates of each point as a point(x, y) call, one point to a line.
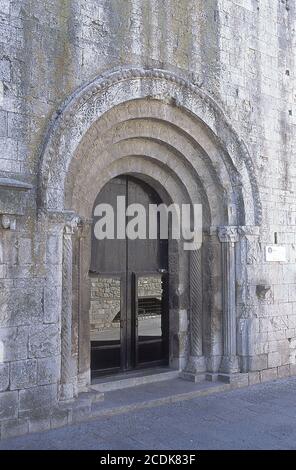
point(259, 417)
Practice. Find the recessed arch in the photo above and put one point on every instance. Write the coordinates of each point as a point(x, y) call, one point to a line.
point(91, 102)
point(165, 130)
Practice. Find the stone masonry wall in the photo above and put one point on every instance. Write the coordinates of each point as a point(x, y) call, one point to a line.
point(104, 303)
point(241, 52)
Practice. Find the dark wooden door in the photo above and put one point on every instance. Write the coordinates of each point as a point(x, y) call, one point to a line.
point(129, 289)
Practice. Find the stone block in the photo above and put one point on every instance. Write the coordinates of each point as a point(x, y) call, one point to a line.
point(236, 380)
point(4, 6)
point(14, 427)
point(13, 344)
point(3, 123)
point(5, 66)
point(274, 359)
point(8, 405)
point(44, 341)
point(258, 362)
point(212, 377)
point(38, 399)
point(8, 148)
point(23, 374)
point(25, 251)
point(284, 371)
point(268, 374)
point(292, 369)
point(4, 377)
point(53, 249)
point(48, 370)
point(16, 125)
point(81, 412)
point(285, 354)
point(21, 306)
point(254, 378)
point(59, 418)
point(39, 425)
point(193, 377)
point(52, 304)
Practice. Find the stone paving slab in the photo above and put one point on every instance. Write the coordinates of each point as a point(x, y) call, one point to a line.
point(258, 417)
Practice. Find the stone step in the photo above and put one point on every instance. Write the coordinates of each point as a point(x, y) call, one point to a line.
point(153, 394)
point(133, 379)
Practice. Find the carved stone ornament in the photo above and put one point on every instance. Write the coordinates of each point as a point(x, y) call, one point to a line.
point(72, 225)
point(228, 234)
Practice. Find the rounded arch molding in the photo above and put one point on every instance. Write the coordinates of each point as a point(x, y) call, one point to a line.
point(90, 103)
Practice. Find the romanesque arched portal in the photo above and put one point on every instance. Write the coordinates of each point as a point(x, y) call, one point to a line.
point(158, 126)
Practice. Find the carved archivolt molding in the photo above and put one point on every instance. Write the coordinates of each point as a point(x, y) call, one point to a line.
point(207, 110)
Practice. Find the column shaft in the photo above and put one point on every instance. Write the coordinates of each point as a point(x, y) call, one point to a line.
point(228, 237)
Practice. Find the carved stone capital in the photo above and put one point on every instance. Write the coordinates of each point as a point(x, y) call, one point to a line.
point(228, 234)
point(7, 222)
point(72, 225)
point(69, 220)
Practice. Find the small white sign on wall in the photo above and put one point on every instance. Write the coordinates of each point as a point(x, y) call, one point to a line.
point(275, 253)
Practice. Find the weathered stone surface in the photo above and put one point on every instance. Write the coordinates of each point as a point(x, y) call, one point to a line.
point(54, 247)
point(14, 427)
point(13, 344)
point(4, 377)
point(16, 125)
point(292, 369)
point(254, 378)
point(49, 370)
point(258, 362)
point(274, 359)
point(284, 371)
point(59, 418)
point(3, 124)
point(38, 398)
point(4, 6)
point(23, 374)
point(268, 374)
point(52, 304)
point(21, 306)
point(8, 405)
point(39, 425)
point(25, 251)
point(136, 91)
point(44, 341)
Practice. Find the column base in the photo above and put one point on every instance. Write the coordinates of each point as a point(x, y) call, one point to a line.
point(229, 365)
point(196, 364)
point(68, 391)
point(236, 380)
point(212, 377)
point(195, 369)
point(83, 381)
point(191, 377)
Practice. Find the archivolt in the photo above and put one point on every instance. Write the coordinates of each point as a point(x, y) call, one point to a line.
point(158, 117)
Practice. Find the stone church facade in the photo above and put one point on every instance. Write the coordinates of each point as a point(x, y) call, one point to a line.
point(195, 98)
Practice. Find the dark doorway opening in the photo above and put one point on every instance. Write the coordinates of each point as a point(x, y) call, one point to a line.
point(129, 313)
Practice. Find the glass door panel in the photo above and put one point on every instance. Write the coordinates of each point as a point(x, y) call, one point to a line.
point(151, 319)
point(105, 324)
